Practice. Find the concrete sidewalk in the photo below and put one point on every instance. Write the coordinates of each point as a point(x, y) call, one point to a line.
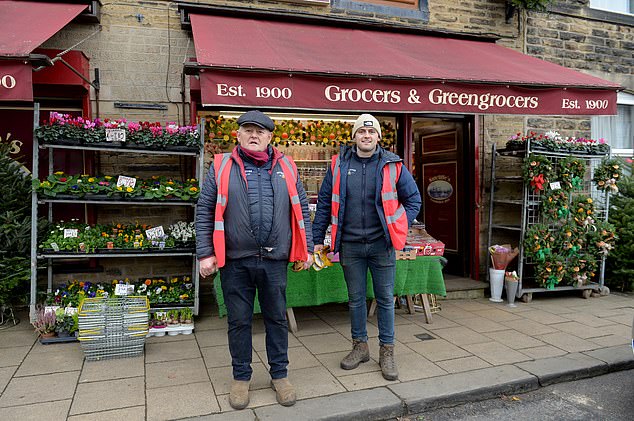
point(474, 349)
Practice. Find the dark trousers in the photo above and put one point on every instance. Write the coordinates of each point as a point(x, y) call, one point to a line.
point(240, 279)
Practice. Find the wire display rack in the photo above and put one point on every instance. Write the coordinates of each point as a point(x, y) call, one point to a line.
point(113, 327)
point(531, 215)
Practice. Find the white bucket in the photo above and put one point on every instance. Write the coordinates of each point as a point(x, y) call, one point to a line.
point(496, 279)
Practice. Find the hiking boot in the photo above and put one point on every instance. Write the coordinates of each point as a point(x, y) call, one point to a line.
point(387, 363)
point(239, 395)
point(360, 354)
point(284, 391)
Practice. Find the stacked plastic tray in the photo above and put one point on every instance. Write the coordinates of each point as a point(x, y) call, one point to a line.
point(113, 327)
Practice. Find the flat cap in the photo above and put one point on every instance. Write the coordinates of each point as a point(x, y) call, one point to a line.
point(258, 118)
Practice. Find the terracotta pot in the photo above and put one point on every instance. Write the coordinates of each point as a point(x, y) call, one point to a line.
point(47, 335)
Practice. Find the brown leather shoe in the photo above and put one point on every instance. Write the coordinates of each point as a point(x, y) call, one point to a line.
point(387, 363)
point(239, 394)
point(284, 391)
point(360, 354)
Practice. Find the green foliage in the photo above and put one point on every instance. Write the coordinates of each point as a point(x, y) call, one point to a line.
point(540, 5)
point(15, 226)
point(620, 262)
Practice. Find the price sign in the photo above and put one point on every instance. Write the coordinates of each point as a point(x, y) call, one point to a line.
point(555, 185)
point(124, 181)
point(155, 233)
point(70, 310)
point(70, 232)
point(54, 246)
point(123, 289)
point(52, 309)
point(115, 135)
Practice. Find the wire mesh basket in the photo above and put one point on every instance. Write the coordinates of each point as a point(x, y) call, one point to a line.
point(113, 327)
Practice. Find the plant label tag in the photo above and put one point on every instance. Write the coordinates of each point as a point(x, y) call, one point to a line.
point(555, 185)
point(70, 232)
point(115, 135)
point(155, 233)
point(48, 309)
point(123, 289)
point(54, 246)
point(70, 310)
point(124, 181)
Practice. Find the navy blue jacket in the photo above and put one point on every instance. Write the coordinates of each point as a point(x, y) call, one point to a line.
point(406, 188)
point(257, 218)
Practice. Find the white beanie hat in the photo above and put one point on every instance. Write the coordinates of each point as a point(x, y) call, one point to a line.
point(366, 120)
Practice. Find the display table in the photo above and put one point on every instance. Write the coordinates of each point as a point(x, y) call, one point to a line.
point(312, 288)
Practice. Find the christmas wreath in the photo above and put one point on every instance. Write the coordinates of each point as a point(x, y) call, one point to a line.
point(551, 271)
point(583, 211)
point(601, 241)
point(555, 204)
point(537, 170)
point(570, 240)
point(571, 172)
point(607, 174)
point(538, 242)
point(581, 269)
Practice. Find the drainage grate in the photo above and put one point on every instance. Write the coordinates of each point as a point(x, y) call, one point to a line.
point(424, 336)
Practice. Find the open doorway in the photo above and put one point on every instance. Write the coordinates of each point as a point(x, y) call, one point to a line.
point(442, 165)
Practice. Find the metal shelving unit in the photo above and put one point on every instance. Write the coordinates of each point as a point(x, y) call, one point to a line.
point(35, 201)
point(530, 214)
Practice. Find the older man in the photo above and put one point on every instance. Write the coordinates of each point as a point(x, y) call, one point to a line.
point(252, 219)
point(371, 199)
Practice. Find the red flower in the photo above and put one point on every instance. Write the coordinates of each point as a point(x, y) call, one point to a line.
point(63, 179)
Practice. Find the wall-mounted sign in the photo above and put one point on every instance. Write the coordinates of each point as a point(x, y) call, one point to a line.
point(16, 81)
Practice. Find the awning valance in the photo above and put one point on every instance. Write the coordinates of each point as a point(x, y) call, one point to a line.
point(23, 27)
point(291, 65)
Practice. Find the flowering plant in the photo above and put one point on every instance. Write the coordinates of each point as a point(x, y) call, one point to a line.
point(501, 256)
point(571, 171)
point(72, 293)
point(607, 175)
point(65, 128)
point(45, 322)
point(537, 170)
point(183, 232)
point(553, 141)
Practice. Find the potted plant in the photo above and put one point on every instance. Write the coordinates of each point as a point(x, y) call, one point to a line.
point(187, 321)
point(65, 325)
point(45, 323)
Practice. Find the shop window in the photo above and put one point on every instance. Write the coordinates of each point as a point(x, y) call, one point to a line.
point(618, 129)
point(616, 6)
point(411, 9)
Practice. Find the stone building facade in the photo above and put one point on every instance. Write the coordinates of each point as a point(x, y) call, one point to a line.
point(140, 47)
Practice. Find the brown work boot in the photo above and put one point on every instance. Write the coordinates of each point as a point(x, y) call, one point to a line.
point(360, 354)
point(387, 363)
point(239, 395)
point(284, 391)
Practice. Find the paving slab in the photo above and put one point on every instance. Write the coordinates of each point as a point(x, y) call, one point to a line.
point(514, 339)
point(12, 338)
point(544, 351)
point(52, 360)
point(495, 353)
point(120, 368)
point(212, 337)
point(438, 322)
point(461, 336)
point(49, 411)
point(171, 351)
point(564, 368)
point(13, 356)
point(112, 394)
point(135, 413)
point(568, 342)
point(176, 402)
point(173, 373)
point(329, 342)
point(373, 404)
point(453, 389)
point(314, 381)
point(617, 357)
point(481, 324)
point(438, 350)
point(579, 330)
point(44, 388)
point(243, 415)
point(413, 366)
point(313, 327)
point(458, 365)
point(5, 376)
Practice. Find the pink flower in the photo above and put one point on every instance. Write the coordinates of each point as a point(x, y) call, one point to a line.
point(602, 141)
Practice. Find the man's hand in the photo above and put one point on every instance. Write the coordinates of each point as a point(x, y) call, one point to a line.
point(308, 263)
point(208, 266)
point(318, 247)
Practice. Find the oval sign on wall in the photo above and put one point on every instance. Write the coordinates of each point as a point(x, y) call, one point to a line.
point(439, 191)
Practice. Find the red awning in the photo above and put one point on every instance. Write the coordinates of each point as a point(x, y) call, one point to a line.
point(23, 27)
point(26, 25)
point(292, 65)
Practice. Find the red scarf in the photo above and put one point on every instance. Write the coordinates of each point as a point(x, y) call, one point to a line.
point(259, 158)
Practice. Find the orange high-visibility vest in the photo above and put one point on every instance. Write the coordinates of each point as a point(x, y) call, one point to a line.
point(222, 167)
point(394, 212)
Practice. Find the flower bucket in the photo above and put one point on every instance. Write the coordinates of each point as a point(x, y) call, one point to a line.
point(496, 280)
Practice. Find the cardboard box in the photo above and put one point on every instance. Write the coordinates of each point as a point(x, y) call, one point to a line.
point(406, 254)
point(435, 248)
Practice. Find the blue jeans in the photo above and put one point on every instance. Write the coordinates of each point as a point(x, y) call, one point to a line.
point(356, 259)
point(240, 279)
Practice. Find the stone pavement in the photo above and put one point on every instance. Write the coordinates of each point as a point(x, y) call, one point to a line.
point(474, 349)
